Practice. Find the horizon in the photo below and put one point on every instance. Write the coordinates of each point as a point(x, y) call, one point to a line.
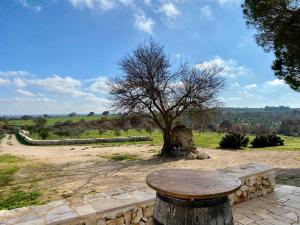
point(114, 113)
point(56, 56)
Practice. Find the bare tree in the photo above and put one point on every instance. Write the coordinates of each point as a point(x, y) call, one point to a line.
point(150, 88)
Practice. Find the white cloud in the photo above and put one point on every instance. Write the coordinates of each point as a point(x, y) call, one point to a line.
point(103, 5)
point(99, 85)
point(27, 5)
point(60, 85)
point(276, 82)
point(96, 100)
point(251, 86)
point(206, 11)
point(147, 2)
point(24, 92)
point(231, 69)
point(19, 82)
point(235, 84)
point(169, 9)
point(226, 2)
point(234, 98)
point(143, 23)
point(4, 82)
point(126, 2)
point(73, 95)
point(18, 73)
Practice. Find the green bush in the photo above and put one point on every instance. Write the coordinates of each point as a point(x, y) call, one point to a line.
point(117, 132)
point(269, 140)
point(101, 131)
point(44, 133)
point(234, 141)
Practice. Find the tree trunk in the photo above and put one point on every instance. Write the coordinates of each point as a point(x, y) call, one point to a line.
point(172, 211)
point(166, 149)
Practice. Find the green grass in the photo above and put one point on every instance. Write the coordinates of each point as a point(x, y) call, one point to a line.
point(121, 157)
point(18, 198)
point(202, 139)
point(52, 121)
point(212, 139)
point(8, 167)
point(11, 195)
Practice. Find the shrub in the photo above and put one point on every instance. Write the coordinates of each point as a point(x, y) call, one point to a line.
point(234, 141)
point(117, 132)
point(101, 131)
point(269, 140)
point(68, 131)
point(44, 133)
point(149, 130)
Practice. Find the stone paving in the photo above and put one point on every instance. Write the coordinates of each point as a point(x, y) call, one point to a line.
point(282, 207)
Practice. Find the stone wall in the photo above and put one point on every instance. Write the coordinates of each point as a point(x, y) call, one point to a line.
point(28, 140)
point(120, 207)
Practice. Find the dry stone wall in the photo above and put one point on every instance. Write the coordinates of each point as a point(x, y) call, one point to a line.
point(124, 207)
point(31, 141)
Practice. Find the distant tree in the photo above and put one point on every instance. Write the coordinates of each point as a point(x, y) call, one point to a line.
point(107, 125)
point(91, 114)
point(46, 116)
point(105, 113)
point(225, 126)
point(26, 117)
point(238, 128)
point(278, 28)
point(150, 88)
point(40, 122)
point(260, 129)
point(73, 114)
point(149, 129)
point(289, 127)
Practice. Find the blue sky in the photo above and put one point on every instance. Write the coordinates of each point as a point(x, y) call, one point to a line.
point(55, 55)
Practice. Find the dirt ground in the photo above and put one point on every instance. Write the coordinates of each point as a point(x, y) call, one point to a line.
point(77, 170)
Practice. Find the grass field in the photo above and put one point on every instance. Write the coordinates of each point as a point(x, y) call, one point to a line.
point(52, 121)
point(13, 193)
point(202, 139)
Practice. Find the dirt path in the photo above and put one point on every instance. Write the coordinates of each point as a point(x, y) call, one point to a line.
point(81, 170)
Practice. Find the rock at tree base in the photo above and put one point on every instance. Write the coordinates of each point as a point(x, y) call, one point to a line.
point(182, 153)
point(182, 138)
point(183, 144)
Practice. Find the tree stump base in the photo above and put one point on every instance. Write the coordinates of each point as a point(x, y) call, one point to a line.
point(173, 211)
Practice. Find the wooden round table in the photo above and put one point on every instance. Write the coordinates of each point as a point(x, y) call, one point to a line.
point(192, 197)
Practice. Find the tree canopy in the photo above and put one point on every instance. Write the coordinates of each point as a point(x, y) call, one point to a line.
point(152, 88)
point(278, 28)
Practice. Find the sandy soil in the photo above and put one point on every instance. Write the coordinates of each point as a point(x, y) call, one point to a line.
point(77, 170)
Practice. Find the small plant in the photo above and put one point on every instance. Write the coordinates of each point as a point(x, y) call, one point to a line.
point(234, 141)
point(101, 131)
point(139, 130)
point(126, 130)
point(44, 133)
point(117, 132)
point(149, 130)
point(269, 140)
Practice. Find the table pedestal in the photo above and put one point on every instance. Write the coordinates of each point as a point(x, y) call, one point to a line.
point(174, 211)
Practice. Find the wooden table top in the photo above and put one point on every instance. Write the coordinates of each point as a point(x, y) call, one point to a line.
point(193, 184)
